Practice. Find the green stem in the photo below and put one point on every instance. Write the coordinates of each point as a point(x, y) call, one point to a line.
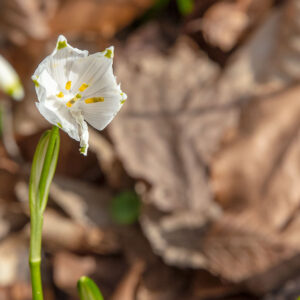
point(37, 290)
point(35, 255)
point(35, 259)
point(38, 200)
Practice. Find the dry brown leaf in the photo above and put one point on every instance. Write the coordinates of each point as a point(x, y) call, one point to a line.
point(39, 19)
point(107, 159)
point(62, 233)
point(224, 23)
point(160, 282)
point(22, 19)
point(206, 286)
point(127, 287)
point(269, 61)
point(285, 57)
point(13, 260)
point(104, 17)
point(81, 232)
point(261, 158)
point(68, 268)
point(105, 271)
point(23, 291)
point(86, 203)
point(290, 290)
point(171, 128)
point(70, 162)
point(167, 134)
point(157, 131)
point(257, 175)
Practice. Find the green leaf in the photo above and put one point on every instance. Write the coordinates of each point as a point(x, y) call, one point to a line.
point(88, 289)
point(43, 168)
point(125, 207)
point(36, 168)
point(185, 7)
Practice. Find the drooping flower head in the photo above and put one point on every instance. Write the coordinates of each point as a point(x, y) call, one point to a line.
point(74, 88)
point(9, 80)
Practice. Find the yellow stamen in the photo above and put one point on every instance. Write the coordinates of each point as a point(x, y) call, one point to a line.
point(68, 85)
point(71, 102)
point(60, 95)
point(83, 87)
point(94, 100)
point(123, 101)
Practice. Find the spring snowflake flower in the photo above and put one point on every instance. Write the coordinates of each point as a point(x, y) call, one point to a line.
point(9, 80)
point(74, 88)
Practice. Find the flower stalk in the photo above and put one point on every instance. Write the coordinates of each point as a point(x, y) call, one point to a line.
point(42, 172)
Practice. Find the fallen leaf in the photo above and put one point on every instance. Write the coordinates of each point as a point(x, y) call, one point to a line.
point(162, 283)
point(78, 233)
point(21, 20)
point(105, 271)
point(160, 124)
point(225, 23)
point(175, 122)
point(68, 268)
point(127, 287)
point(104, 17)
point(14, 260)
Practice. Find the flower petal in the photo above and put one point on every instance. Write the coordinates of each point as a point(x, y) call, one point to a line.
point(100, 114)
point(82, 130)
point(45, 86)
point(9, 80)
point(60, 117)
point(90, 71)
point(60, 62)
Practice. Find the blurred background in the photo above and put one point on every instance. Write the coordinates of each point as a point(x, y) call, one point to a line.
point(193, 191)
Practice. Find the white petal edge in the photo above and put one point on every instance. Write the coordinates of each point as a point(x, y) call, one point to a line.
point(59, 62)
point(58, 118)
point(9, 80)
point(90, 70)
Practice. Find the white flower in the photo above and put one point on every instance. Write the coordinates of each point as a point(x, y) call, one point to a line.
point(9, 80)
point(74, 87)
